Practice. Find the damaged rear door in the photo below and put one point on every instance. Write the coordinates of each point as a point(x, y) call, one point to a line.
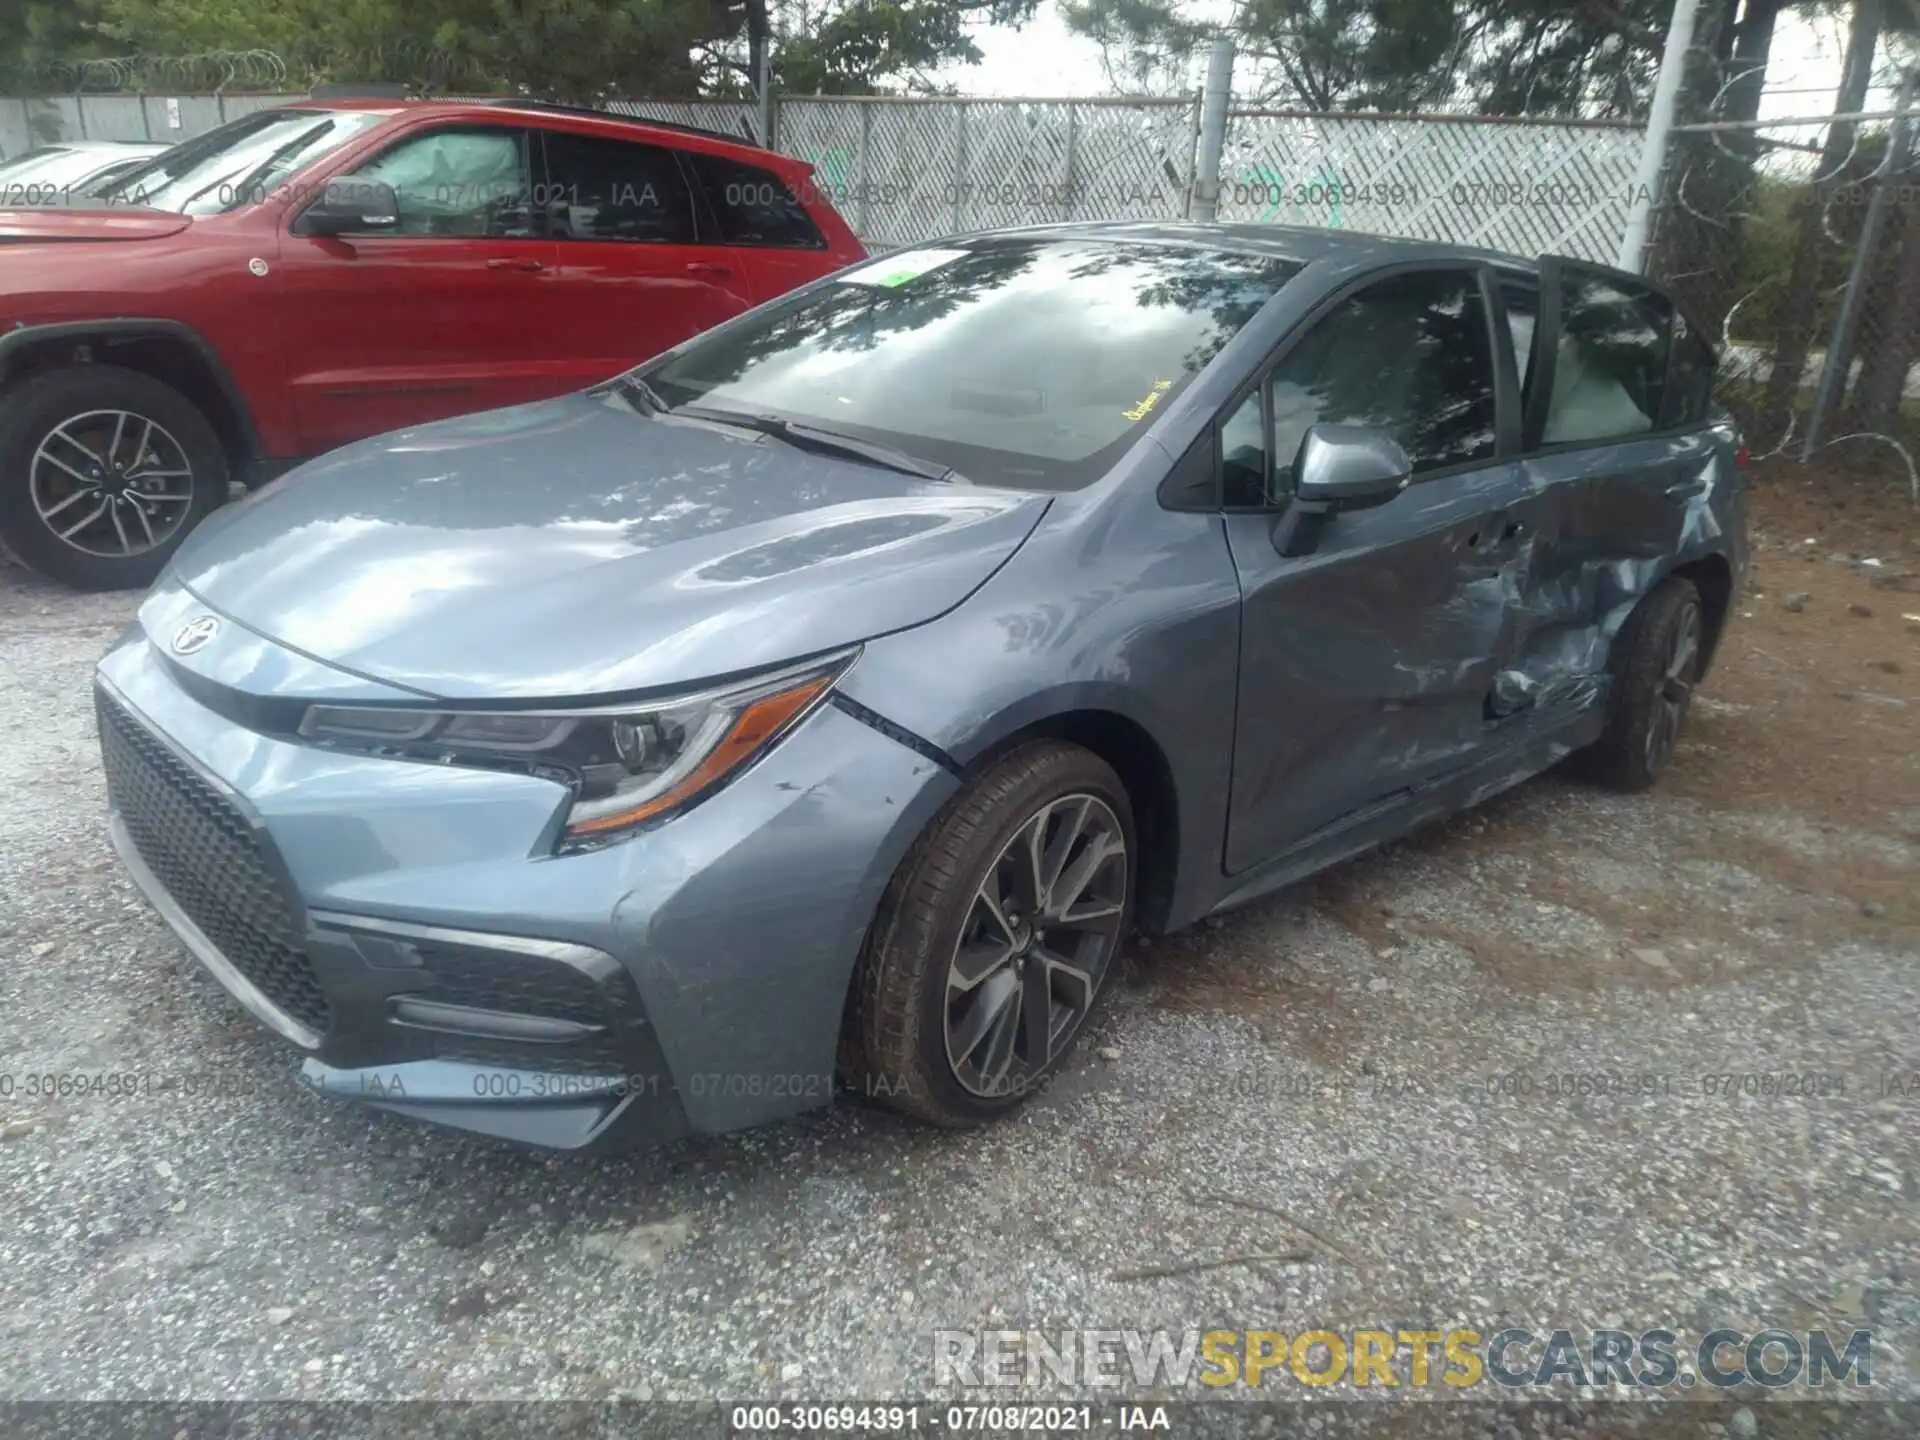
point(1366, 665)
point(1614, 388)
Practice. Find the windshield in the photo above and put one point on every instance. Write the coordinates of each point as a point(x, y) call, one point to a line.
point(54, 165)
point(1019, 362)
point(240, 163)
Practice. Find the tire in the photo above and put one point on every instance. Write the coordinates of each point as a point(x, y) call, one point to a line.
point(1654, 666)
point(75, 447)
point(918, 999)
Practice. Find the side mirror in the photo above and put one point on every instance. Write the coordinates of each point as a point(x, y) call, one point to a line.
point(1339, 467)
point(1349, 467)
point(350, 206)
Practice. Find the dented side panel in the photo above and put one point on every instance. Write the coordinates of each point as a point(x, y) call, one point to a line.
point(1623, 517)
point(1366, 666)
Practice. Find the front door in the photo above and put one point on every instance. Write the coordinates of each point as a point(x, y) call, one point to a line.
point(1367, 667)
point(439, 316)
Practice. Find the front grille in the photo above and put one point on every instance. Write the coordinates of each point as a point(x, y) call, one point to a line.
point(210, 860)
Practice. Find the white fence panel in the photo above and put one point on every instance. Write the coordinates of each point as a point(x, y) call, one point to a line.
point(16, 127)
point(1530, 187)
point(729, 117)
point(906, 169)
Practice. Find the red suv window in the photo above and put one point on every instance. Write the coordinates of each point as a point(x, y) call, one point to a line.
point(615, 190)
point(751, 205)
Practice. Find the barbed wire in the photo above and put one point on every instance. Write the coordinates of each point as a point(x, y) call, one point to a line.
point(420, 63)
point(204, 70)
point(1717, 183)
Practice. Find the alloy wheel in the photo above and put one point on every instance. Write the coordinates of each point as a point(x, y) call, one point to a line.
point(111, 483)
point(1036, 942)
point(1675, 686)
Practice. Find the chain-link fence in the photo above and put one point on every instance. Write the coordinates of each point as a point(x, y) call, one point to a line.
point(905, 169)
point(1797, 241)
point(1532, 187)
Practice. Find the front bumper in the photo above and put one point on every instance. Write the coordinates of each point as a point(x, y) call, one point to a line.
point(408, 930)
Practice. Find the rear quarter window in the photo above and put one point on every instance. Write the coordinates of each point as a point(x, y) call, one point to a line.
point(1690, 384)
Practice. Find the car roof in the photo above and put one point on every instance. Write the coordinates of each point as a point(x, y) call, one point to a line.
point(1305, 243)
point(543, 111)
point(97, 147)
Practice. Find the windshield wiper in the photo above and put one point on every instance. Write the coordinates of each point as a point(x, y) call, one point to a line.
point(643, 392)
point(829, 442)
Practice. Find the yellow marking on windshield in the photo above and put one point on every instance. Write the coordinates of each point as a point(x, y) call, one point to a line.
point(1149, 400)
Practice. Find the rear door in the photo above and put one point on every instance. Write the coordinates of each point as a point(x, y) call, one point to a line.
point(750, 217)
point(435, 317)
point(1615, 388)
point(1366, 666)
point(633, 278)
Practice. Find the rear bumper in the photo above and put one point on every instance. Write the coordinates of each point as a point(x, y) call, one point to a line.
point(408, 931)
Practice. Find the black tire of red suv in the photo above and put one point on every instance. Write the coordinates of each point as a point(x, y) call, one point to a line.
point(103, 472)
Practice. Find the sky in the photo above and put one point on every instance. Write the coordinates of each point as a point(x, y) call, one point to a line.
point(1045, 59)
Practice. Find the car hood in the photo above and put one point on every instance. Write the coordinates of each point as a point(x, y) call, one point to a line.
point(112, 222)
point(577, 548)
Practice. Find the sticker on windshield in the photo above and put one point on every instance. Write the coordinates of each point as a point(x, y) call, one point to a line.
point(1149, 400)
point(892, 270)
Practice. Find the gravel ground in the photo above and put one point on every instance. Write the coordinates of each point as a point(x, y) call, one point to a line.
point(1353, 1057)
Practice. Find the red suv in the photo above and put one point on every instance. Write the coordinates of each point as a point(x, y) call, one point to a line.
point(307, 276)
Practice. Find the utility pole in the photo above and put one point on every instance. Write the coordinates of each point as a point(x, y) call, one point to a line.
point(1213, 131)
point(1653, 150)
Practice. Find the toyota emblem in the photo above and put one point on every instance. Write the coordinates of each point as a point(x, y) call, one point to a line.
point(194, 635)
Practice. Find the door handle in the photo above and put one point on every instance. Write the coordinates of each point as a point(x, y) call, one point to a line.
point(1494, 532)
point(515, 262)
point(709, 267)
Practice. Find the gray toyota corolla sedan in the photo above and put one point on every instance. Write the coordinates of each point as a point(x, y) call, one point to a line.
point(820, 706)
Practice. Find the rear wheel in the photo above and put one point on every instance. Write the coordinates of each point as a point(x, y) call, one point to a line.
point(103, 471)
point(1656, 663)
point(995, 939)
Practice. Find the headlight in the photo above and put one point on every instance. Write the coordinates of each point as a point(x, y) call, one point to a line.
point(626, 765)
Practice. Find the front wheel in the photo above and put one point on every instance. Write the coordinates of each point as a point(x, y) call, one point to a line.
point(103, 471)
point(994, 939)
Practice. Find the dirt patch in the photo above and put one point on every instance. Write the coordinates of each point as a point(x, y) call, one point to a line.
point(1814, 702)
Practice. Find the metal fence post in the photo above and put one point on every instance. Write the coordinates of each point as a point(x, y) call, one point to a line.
point(862, 192)
point(80, 113)
point(764, 80)
point(1205, 204)
point(1653, 148)
point(959, 169)
point(1073, 145)
point(1833, 374)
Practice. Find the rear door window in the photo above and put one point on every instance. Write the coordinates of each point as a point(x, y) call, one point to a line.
point(750, 205)
point(601, 189)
